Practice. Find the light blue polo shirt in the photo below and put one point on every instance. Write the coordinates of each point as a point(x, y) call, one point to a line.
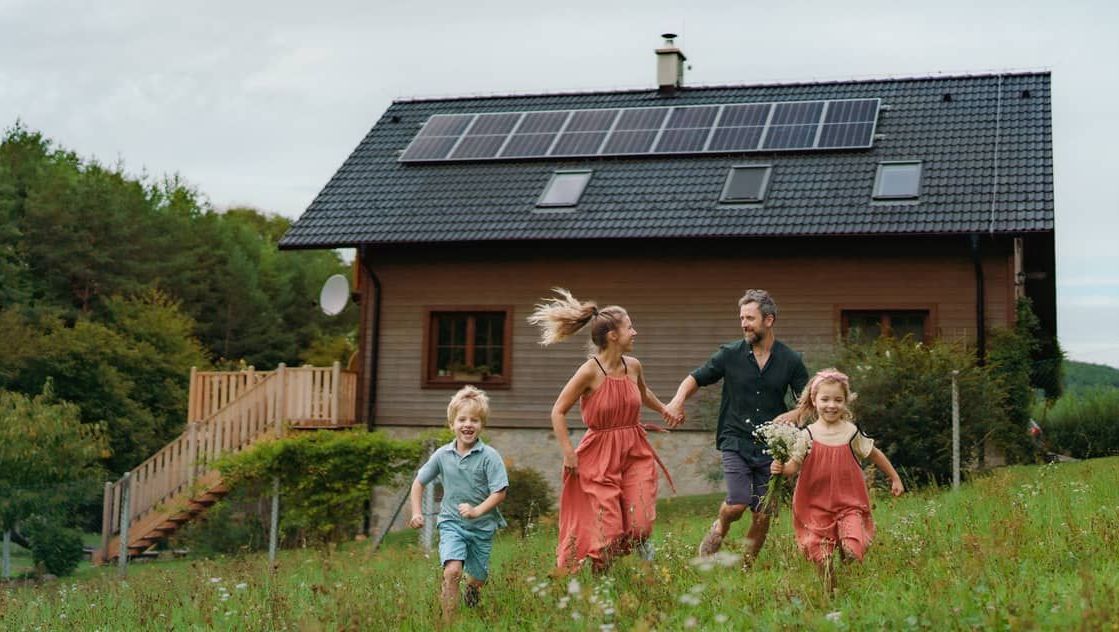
point(469, 478)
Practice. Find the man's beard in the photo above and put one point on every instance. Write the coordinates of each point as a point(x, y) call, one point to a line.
point(755, 336)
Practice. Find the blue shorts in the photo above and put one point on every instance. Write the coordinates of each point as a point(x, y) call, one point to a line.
point(468, 546)
point(746, 483)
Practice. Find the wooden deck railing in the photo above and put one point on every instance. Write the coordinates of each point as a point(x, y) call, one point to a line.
point(255, 406)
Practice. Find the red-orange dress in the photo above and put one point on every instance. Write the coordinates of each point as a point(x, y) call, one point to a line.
point(830, 503)
point(609, 504)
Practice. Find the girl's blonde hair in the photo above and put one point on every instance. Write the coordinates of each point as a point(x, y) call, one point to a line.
point(469, 397)
point(806, 406)
point(560, 318)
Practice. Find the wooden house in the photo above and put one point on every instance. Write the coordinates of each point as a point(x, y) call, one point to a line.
point(917, 205)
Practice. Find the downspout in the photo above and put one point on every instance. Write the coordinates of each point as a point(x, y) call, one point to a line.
point(374, 344)
point(976, 258)
point(980, 303)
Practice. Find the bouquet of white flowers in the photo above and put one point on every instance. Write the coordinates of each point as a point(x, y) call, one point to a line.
point(781, 443)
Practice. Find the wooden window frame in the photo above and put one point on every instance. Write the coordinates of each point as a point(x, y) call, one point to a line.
point(842, 315)
point(428, 377)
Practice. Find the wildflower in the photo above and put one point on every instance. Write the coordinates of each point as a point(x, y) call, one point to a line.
point(689, 599)
point(562, 603)
point(690, 622)
point(215, 580)
point(833, 616)
point(573, 587)
point(241, 586)
point(781, 443)
point(721, 618)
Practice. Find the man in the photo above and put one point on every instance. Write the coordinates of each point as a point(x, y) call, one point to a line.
point(756, 371)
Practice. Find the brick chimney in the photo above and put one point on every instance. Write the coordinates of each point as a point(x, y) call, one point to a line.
point(670, 66)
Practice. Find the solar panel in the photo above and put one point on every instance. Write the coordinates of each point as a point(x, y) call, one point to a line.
point(848, 124)
point(635, 131)
point(437, 137)
point(793, 125)
point(687, 129)
point(585, 131)
point(740, 127)
point(535, 134)
point(726, 128)
point(486, 135)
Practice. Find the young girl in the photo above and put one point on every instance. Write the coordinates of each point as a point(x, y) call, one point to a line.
point(608, 502)
point(830, 503)
point(474, 483)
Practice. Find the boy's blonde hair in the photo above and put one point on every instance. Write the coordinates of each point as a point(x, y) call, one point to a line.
point(469, 396)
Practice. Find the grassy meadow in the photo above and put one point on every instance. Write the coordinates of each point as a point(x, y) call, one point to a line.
point(1019, 548)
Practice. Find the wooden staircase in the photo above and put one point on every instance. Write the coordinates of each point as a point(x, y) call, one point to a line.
point(228, 412)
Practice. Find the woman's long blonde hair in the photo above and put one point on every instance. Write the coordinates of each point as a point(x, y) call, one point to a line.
point(563, 317)
point(806, 407)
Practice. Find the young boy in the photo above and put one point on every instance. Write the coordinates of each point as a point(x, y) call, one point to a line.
point(474, 483)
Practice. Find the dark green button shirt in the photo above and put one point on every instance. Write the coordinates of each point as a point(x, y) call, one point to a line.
point(751, 395)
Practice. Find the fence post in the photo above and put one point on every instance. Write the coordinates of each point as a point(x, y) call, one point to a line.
point(336, 394)
point(6, 565)
point(106, 521)
point(955, 430)
point(125, 518)
point(273, 533)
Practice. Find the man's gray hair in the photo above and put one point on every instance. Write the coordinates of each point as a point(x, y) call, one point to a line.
point(763, 299)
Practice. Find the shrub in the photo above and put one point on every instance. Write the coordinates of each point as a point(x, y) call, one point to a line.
point(57, 548)
point(1084, 423)
point(325, 477)
point(529, 498)
point(905, 402)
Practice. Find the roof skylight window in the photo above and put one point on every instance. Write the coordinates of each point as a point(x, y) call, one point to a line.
point(898, 180)
point(746, 183)
point(564, 189)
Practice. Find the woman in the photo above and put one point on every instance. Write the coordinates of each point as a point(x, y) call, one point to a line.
point(608, 502)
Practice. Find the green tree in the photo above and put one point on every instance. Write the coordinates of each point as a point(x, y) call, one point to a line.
point(48, 457)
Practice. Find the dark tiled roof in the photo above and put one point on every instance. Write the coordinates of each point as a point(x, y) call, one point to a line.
point(373, 198)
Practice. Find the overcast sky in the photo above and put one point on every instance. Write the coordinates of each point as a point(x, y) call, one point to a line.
point(258, 103)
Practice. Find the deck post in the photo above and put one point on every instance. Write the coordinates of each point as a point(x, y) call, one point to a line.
point(106, 521)
point(281, 399)
point(192, 395)
point(336, 394)
point(125, 518)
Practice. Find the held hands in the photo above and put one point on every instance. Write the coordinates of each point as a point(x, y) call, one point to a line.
point(570, 461)
point(674, 413)
point(466, 510)
point(776, 468)
point(417, 521)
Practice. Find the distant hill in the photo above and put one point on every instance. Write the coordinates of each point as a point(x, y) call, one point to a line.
point(1085, 375)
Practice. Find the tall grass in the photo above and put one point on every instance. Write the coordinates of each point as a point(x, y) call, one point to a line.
point(1022, 547)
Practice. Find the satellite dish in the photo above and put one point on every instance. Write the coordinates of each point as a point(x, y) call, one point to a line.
point(334, 296)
